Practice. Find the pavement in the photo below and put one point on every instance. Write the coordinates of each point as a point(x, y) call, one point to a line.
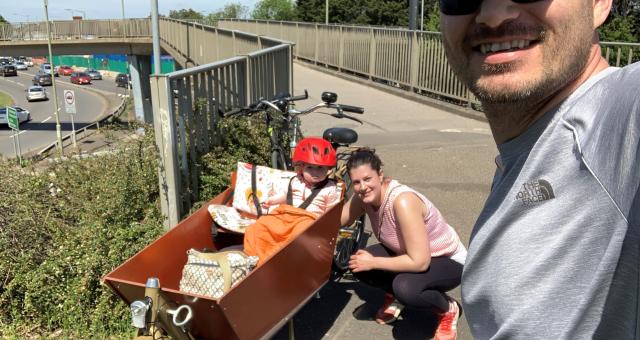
point(446, 156)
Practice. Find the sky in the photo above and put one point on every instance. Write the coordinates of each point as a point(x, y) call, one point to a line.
point(33, 10)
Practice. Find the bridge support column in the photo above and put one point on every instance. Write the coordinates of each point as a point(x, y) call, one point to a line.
point(140, 68)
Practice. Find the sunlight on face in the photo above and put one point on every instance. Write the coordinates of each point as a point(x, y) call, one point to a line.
point(519, 53)
point(367, 183)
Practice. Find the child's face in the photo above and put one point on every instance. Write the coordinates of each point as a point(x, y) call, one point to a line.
point(314, 174)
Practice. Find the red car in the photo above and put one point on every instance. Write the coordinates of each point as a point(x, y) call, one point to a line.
point(65, 70)
point(80, 78)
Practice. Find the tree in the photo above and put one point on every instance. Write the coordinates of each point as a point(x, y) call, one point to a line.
point(186, 14)
point(3, 20)
point(274, 10)
point(619, 28)
point(230, 11)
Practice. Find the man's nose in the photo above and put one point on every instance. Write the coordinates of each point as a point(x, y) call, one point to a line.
point(494, 13)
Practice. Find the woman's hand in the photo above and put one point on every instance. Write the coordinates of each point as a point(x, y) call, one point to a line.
point(361, 261)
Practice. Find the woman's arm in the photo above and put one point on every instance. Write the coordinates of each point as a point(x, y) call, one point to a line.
point(351, 210)
point(409, 211)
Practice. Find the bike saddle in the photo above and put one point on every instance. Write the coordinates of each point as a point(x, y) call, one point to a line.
point(340, 136)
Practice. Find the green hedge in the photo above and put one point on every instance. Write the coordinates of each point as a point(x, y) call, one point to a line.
point(66, 225)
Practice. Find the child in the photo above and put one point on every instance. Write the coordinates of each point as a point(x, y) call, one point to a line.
point(313, 158)
point(309, 195)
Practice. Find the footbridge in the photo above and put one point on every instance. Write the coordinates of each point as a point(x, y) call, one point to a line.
point(239, 61)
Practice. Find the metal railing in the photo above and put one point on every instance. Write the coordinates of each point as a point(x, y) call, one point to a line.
point(77, 29)
point(186, 103)
point(411, 60)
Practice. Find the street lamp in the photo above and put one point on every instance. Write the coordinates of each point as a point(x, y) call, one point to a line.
point(326, 12)
point(53, 80)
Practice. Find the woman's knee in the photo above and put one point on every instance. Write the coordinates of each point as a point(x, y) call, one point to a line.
point(404, 291)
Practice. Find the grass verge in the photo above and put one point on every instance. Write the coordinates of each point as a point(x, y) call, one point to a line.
point(5, 99)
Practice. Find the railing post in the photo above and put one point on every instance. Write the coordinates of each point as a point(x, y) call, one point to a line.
point(415, 63)
point(297, 37)
point(372, 54)
point(233, 43)
point(315, 54)
point(341, 50)
point(164, 126)
point(248, 84)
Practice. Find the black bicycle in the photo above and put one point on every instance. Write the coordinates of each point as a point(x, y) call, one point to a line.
point(349, 237)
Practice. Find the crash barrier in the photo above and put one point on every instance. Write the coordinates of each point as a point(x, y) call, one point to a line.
point(76, 29)
point(411, 60)
point(187, 105)
point(83, 132)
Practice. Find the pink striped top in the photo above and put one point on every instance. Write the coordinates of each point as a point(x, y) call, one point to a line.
point(443, 239)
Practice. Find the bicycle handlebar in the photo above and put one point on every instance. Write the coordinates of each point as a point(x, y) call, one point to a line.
point(352, 109)
point(280, 102)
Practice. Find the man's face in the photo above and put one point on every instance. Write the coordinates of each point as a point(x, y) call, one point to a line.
point(510, 53)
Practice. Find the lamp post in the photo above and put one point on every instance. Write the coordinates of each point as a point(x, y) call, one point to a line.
point(123, 25)
point(326, 12)
point(53, 81)
point(422, 17)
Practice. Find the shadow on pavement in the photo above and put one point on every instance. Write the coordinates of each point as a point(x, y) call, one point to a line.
point(319, 316)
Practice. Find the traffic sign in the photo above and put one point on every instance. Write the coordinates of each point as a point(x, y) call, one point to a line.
point(12, 118)
point(70, 101)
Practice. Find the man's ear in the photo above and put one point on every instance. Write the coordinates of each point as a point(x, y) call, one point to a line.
point(601, 9)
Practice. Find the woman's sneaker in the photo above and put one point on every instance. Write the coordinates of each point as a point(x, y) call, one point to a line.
point(390, 310)
point(447, 328)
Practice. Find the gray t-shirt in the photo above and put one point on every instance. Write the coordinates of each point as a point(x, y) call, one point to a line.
point(555, 252)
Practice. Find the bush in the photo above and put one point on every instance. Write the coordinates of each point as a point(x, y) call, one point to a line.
point(64, 227)
point(244, 139)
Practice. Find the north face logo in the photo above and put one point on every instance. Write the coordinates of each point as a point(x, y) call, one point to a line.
point(535, 192)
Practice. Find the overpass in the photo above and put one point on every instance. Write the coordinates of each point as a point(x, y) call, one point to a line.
point(240, 61)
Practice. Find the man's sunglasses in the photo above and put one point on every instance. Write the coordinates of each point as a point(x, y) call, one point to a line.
point(465, 7)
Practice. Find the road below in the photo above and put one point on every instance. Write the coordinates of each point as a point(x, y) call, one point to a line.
point(41, 130)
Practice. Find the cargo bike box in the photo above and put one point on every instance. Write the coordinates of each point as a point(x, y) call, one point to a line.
point(257, 307)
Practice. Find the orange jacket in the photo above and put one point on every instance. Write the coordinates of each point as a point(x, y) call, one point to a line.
point(271, 232)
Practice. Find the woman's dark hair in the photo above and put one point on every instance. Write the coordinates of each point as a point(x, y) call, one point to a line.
point(362, 156)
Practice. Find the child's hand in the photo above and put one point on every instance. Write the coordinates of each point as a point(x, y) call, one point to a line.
point(266, 203)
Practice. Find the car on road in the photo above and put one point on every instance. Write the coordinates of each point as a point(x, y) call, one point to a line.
point(123, 80)
point(80, 78)
point(8, 70)
point(23, 115)
point(65, 70)
point(36, 92)
point(42, 79)
point(21, 66)
point(46, 68)
point(94, 74)
point(5, 61)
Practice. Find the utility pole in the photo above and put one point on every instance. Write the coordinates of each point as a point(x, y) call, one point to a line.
point(326, 12)
point(413, 13)
point(53, 81)
point(155, 37)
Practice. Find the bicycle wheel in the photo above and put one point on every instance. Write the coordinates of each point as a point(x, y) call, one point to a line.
point(278, 161)
point(349, 239)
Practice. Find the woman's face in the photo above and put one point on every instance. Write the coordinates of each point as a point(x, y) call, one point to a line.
point(367, 184)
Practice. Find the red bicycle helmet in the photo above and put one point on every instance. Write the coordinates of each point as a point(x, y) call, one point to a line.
point(315, 150)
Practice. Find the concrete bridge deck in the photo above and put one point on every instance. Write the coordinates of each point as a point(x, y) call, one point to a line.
point(447, 157)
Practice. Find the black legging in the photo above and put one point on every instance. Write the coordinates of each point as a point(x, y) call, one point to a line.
point(421, 290)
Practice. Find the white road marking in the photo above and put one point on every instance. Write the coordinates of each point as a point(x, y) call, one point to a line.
point(44, 121)
point(451, 130)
